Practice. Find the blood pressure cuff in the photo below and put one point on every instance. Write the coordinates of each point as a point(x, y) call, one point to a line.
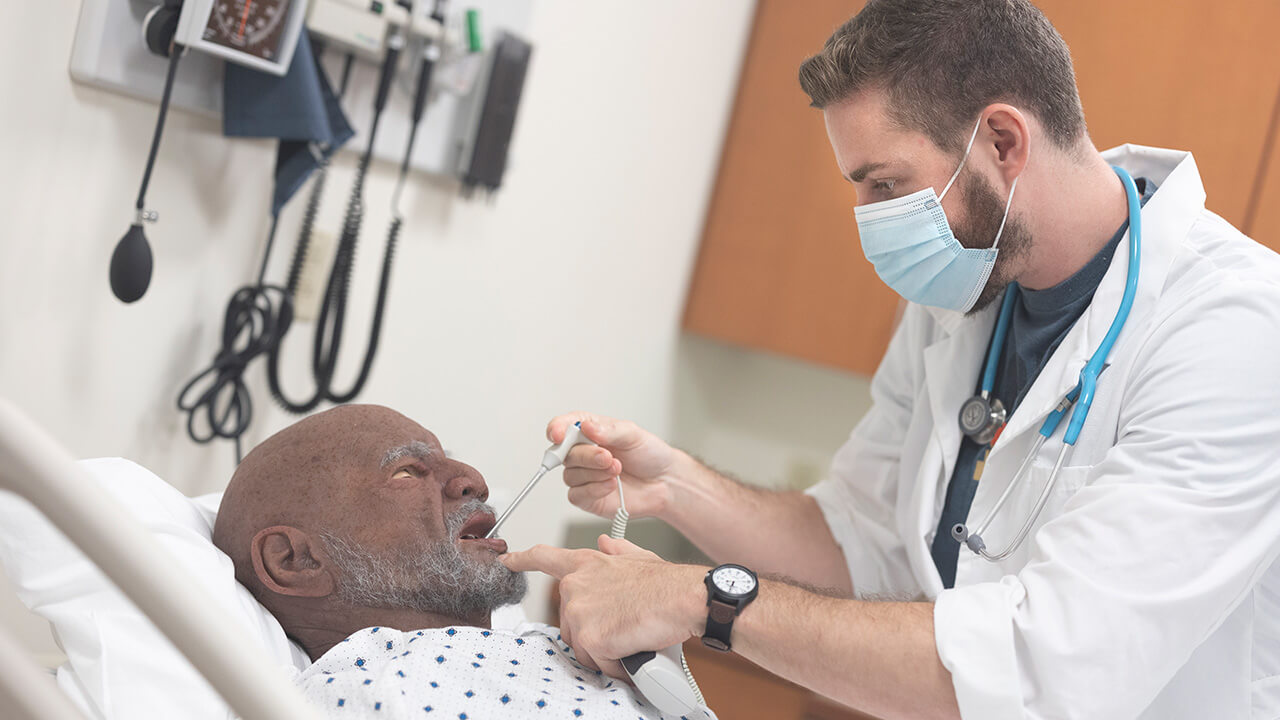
point(300, 109)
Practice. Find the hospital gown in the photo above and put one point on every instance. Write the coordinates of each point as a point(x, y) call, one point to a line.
point(467, 673)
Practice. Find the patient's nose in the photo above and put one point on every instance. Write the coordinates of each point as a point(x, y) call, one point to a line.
point(467, 483)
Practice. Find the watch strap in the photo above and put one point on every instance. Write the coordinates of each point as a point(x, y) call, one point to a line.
point(720, 617)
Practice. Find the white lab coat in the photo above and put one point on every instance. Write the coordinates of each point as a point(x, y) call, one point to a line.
point(1149, 587)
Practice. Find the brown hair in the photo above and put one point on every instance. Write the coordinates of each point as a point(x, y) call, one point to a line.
point(942, 61)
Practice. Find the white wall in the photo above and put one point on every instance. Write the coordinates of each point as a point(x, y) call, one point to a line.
point(564, 292)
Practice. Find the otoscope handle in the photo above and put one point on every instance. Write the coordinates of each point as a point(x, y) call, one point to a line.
point(424, 84)
point(555, 455)
point(394, 43)
point(553, 458)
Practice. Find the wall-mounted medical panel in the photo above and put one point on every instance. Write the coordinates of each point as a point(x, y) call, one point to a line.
point(110, 53)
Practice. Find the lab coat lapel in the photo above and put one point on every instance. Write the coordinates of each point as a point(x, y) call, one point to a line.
point(1166, 220)
point(951, 368)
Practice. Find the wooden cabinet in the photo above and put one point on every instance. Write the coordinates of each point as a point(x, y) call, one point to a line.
point(1263, 220)
point(780, 266)
point(781, 269)
point(737, 688)
point(1184, 74)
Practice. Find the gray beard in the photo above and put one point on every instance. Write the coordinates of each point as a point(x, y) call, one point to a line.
point(428, 576)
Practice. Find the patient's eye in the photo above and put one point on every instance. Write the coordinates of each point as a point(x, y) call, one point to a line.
point(410, 472)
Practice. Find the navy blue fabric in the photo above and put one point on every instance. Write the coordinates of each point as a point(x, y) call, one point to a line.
point(300, 109)
point(1041, 320)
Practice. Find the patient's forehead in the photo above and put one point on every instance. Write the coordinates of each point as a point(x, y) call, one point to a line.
point(362, 440)
point(378, 446)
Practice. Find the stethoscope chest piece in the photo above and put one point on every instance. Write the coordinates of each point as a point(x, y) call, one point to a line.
point(981, 418)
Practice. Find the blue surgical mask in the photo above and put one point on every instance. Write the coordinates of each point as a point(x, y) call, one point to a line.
point(914, 251)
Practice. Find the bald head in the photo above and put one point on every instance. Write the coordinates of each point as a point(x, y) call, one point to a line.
point(302, 475)
point(357, 509)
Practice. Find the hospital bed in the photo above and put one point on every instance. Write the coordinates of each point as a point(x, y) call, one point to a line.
point(35, 467)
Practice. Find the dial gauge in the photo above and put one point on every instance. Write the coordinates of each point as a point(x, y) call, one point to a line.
point(254, 27)
point(733, 580)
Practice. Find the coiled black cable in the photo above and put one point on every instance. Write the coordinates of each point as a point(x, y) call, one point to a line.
point(256, 319)
point(216, 400)
point(307, 229)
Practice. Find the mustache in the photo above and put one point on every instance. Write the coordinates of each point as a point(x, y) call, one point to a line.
point(454, 521)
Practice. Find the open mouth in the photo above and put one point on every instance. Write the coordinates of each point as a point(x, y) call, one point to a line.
point(477, 527)
point(472, 534)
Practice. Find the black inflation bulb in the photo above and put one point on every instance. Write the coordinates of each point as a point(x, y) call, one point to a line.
point(131, 265)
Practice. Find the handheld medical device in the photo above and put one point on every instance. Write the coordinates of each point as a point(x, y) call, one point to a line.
point(1080, 397)
point(663, 676)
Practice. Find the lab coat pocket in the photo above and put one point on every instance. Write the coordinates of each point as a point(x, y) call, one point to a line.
point(1022, 504)
point(1068, 483)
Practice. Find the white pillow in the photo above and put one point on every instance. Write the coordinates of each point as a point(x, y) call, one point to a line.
point(119, 666)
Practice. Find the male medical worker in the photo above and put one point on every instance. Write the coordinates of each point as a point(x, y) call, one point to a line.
point(1146, 584)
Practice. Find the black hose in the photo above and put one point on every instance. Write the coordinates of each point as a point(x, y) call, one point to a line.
point(175, 56)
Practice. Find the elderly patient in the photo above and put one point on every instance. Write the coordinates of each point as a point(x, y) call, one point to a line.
point(367, 543)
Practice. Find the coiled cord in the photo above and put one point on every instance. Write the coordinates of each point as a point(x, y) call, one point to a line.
point(255, 322)
point(619, 532)
point(307, 229)
point(256, 319)
point(327, 342)
point(620, 518)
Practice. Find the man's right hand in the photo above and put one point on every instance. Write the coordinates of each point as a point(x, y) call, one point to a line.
point(643, 460)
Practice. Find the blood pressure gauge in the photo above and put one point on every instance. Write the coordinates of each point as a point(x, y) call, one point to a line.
point(261, 34)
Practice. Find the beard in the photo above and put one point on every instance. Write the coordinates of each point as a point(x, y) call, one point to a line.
point(432, 576)
point(984, 209)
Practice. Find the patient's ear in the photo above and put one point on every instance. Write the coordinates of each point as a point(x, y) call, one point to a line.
point(286, 562)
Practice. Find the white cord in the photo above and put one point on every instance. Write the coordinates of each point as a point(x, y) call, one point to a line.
point(620, 518)
point(619, 532)
point(693, 684)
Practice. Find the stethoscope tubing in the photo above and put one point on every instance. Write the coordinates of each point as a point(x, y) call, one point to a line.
point(1077, 402)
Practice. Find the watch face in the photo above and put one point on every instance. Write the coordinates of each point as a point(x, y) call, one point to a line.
point(734, 581)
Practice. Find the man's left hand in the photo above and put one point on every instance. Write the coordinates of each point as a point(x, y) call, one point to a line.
point(619, 601)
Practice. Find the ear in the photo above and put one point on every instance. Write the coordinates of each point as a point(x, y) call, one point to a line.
point(1006, 131)
point(287, 562)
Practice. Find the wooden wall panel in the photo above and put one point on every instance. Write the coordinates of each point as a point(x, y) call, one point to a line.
point(780, 267)
point(1185, 74)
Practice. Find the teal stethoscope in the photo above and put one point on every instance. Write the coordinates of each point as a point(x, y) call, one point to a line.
point(982, 416)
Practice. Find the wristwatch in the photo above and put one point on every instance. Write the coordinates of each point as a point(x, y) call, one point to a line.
point(729, 589)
